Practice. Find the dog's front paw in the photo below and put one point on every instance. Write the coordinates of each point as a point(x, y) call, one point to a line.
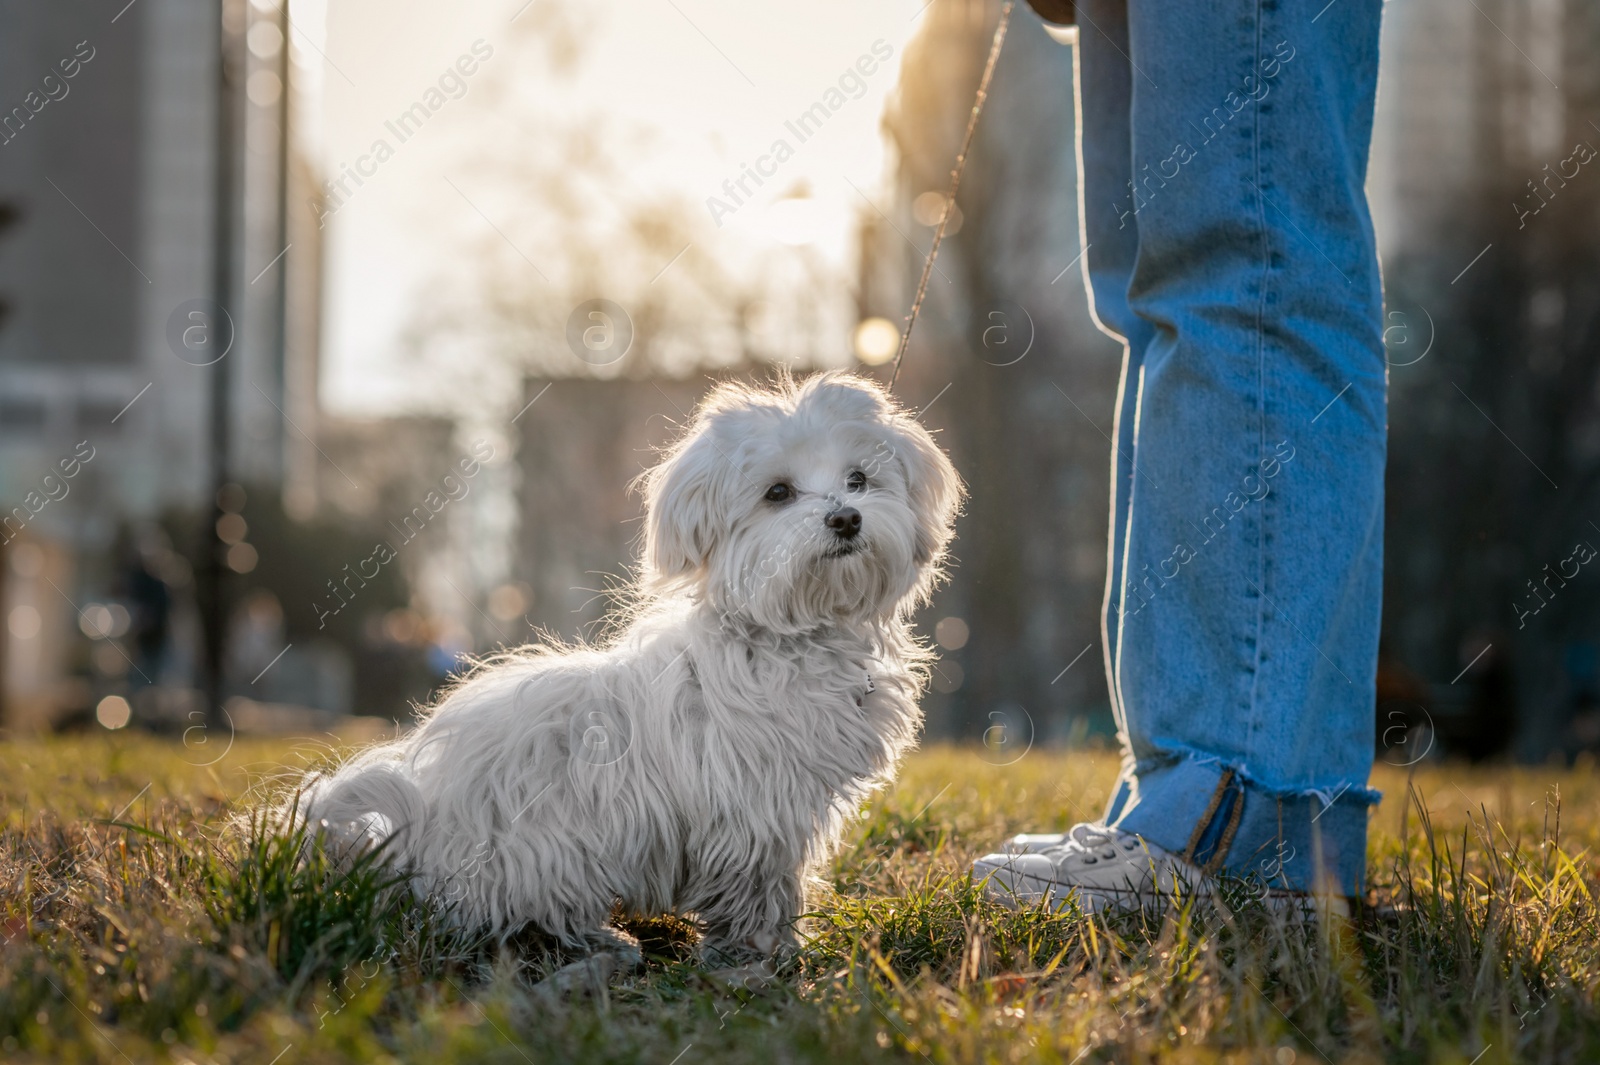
point(587, 976)
point(769, 949)
point(614, 952)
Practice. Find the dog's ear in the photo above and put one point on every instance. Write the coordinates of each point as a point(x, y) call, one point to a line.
point(680, 520)
point(934, 487)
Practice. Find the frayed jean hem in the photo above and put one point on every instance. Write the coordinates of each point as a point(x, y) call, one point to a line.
point(1221, 820)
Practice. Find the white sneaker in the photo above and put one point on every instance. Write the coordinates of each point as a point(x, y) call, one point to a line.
point(1116, 870)
point(1106, 868)
point(1034, 842)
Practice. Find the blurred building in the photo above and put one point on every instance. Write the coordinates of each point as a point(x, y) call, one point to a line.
point(108, 344)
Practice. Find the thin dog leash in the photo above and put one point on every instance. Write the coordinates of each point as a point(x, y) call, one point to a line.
point(955, 184)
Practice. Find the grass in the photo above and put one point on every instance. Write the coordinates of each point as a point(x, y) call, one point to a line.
point(134, 929)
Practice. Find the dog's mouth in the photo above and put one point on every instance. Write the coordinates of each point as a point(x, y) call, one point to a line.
point(844, 549)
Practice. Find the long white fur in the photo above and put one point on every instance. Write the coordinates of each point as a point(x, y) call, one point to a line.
point(705, 757)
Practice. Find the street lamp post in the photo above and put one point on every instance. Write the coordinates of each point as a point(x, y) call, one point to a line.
point(229, 97)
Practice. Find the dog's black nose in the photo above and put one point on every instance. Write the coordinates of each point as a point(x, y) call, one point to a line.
point(845, 522)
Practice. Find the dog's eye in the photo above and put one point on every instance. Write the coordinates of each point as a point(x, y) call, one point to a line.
point(856, 481)
point(779, 493)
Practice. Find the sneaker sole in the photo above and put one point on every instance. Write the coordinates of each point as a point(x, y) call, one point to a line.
point(1007, 885)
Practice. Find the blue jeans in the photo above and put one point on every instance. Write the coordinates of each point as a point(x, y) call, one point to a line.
point(1223, 153)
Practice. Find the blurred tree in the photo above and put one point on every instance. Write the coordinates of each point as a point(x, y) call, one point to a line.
point(572, 224)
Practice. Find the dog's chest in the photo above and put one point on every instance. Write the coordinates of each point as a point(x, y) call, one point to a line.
point(811, 707)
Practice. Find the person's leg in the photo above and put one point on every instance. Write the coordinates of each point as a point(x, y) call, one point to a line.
point(1248, 597)
point(1109, 231)
point(1222, 154)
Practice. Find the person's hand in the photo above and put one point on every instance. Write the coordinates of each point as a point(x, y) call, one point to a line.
point(1059, 12)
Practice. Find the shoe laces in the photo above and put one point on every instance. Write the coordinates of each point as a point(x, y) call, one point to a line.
point(1090, 843)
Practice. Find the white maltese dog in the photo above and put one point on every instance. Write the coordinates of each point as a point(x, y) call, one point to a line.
point(765, 683)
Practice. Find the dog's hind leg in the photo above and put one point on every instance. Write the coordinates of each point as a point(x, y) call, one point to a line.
point(612, 951)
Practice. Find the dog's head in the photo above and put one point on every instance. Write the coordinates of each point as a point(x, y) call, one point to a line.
point(801, 505)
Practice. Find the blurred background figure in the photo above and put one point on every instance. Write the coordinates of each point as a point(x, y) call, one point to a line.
point(333, 333)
